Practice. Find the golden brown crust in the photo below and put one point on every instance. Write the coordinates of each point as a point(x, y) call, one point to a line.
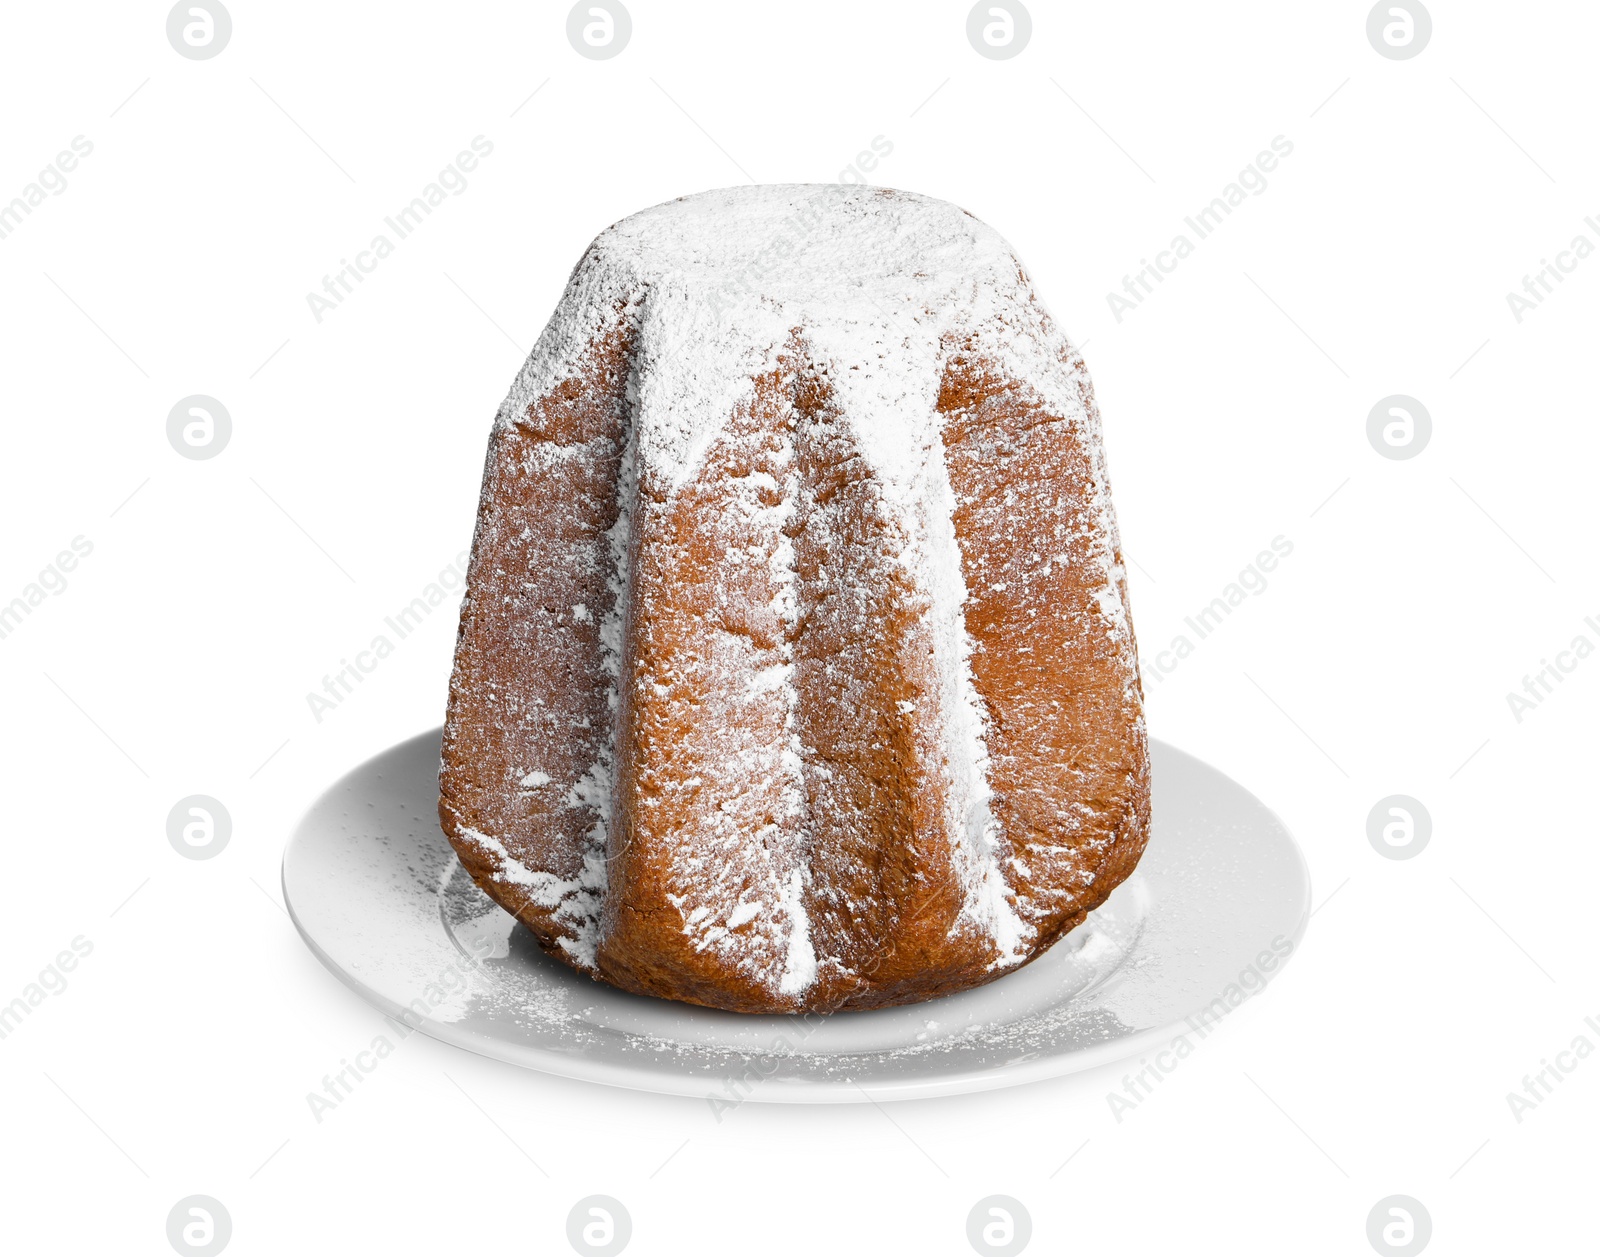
point(529, 686)
point(1068, 763)
point(730, 733)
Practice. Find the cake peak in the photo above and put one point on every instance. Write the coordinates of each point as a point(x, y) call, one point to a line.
point(873, 289)
point(810, 243)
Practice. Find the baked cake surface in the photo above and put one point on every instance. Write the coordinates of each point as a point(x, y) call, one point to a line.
point(795, 670)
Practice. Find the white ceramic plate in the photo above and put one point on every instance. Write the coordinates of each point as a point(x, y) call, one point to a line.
point(1217, 905)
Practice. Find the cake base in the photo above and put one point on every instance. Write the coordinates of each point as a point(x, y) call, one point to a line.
point(1216, 907)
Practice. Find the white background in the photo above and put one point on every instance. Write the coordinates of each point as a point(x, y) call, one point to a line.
point(177, 660)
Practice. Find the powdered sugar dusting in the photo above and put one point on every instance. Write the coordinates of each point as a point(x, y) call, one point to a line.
point(577, 899)
point(882, 290)
point(800, 962)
